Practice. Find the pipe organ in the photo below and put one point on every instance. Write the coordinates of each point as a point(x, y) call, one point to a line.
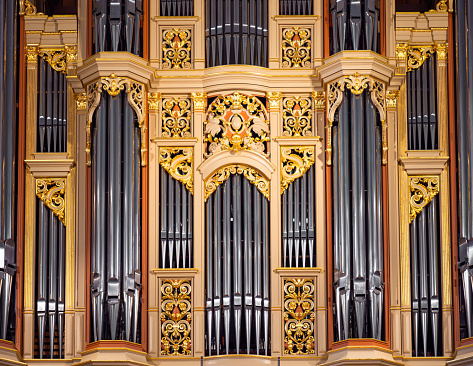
point(238, 181)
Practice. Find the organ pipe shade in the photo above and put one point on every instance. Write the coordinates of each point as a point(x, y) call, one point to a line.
point(354, 25)
point(298, 222)
point(422, 124)
point(116, 222)
point(176, 220)
point(177, 8)
point(50, 284)
point(357, 220)
point(425, 282)
point(236, 32)
point(464, 104)
point(237, 269)
point(296, 7)
point(51, 129)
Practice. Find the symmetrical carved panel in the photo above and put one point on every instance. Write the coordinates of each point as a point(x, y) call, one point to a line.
point(296, 47)
point(297, 117)
point(224, 173)
point(176, 317)
point(52, 192)
point(422, 189)
point(295, 161)
point(236, 122)
point(176, 48)
point(178, 163)
point(299, 316)
point(176, 118)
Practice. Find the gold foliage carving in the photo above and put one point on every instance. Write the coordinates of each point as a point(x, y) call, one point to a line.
point(54, 57)
point(417, 55)
point(422, 189)
point(199, 100)
point(274, 100)
point(319, 99)
point(236, 122)
point(391, 99)
point(30, 9)
point(442, 51)
point(296, 45)
point(178, 163)
point(401, 51)
point(153, 101)
point(219, 177)
point(176, 118)
point(32, 54)
point(295, 161)
point(113, 85)
point(299, 316)
point(52, 192)
point(176, 317)
point(81, 101)
point(297, 117)
point(176, 48)
point(71, 54)
point(442, 6)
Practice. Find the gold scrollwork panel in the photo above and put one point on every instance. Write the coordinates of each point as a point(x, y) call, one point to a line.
point(295, 161)
point(176, 118)
point(176, 317)
point(296, 47)
point(299, 316)
point(176, 48)
point(52, 192)
point(297, 117)
point(178, 163)
point(422, 189)
point(221, 175)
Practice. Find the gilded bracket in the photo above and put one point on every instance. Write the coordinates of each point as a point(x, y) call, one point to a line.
point(52, 192)
point(356, 83)
point(178, 163)
point(113, 85)
point(295, 161)
point(221, 175)
point(422, 189)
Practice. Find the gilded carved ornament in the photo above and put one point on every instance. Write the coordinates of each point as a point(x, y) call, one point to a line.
point(442, 6)
point(297, 117)
point(30, 9)
point(52, 192)
point(417, 55)
point(356, 83)
point(442, 51)
point(401, 51)
point(199, 100)
point(178, 163)
point(176, 118)
point(221, 175)
point(274, 100)
point(153, 101)
point(295, 161)
point(296, 45)
point(55, 57)
point(71, 54)
point(236, 122)
point(391, 99)
point(319, 99)
point(81, 101)
point(32, 54)
point(176, 48)
point(113, 85)
point(299, 316)
point(422, 190)
point(176, 317)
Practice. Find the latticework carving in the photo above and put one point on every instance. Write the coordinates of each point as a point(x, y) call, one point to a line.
point(176, 48)
point(297, 117)
point(176, 118)
point(296, 47)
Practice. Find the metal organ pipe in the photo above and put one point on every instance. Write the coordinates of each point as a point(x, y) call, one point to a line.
point(173, 8)
point(296, 7)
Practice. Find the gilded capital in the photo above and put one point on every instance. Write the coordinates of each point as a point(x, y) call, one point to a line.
point(199, 100)
point(71, 54)
point(401, 51)
point(442, 51)
point(153, 101)
point(391, 99)
point(32, 54)
point(274, 100)
point(81, 101)
point(319, 99)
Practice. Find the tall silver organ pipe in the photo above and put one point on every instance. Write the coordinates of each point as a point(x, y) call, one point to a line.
point(237, 257)
point(50, 285)
point(296, 7)
point(8, 122)
point(177, 8)
point(298, 225)
point(237, 32)
point(464, 98)
point(425, 279)
point(116, 187)
point(422, 130)
point(354, 25)
point(357, 220)
point(176, 220)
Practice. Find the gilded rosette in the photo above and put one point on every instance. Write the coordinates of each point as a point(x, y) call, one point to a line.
point(176, 118)
point(297, 117)
point(178, 163)
point(299, 316)
point(52, 192)
point(422, 190)
point(295, 161)
point(176, 317)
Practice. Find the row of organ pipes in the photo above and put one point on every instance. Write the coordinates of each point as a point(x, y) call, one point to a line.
point(237, 264)
point(177, 8)
point(357, 220)
point(236, 32)
point(296, 7)
point(176, 223)
point(298, 222)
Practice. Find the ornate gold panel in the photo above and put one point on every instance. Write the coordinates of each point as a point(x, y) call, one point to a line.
point(296, 47)
point(178, 163)
point(176, 317)
point(176, 48)
point(295, 161)
point(299, 316)
point(224, 173)
point(236, 122)
point(297, 117)
point(422, 189)
point(176, 118)
point(52, 192)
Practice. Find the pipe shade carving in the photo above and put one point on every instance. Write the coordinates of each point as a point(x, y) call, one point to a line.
point(178, 163)
point(422, 190)
point(52, 193)
point(295, 161)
